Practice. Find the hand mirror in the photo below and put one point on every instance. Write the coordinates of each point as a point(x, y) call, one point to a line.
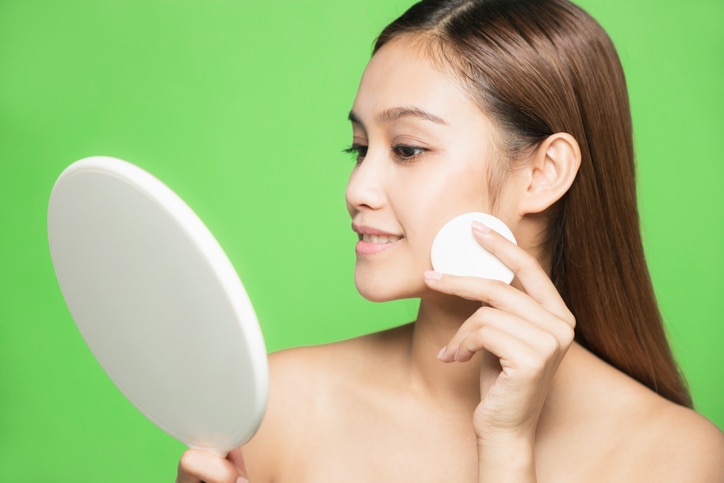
point(158, 303)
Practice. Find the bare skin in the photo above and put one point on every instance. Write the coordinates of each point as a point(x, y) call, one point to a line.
point(333, 417)
point(487, 385)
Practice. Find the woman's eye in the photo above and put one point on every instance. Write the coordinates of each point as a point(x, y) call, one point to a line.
point(407, 153)
point(358, 150)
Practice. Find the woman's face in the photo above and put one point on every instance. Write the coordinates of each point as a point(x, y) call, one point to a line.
point(425, 151)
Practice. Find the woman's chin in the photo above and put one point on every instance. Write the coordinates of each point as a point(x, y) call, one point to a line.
point(386, 290)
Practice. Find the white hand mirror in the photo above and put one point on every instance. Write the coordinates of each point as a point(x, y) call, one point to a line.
point(158, 303)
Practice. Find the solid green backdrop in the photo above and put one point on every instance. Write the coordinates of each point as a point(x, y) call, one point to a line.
point(241, 108)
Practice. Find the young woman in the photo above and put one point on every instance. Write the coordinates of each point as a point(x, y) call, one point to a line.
point(517, 108)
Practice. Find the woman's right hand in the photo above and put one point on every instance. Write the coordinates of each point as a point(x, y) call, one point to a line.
point(197, 466)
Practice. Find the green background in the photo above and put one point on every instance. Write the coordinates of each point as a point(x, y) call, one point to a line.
point(241, 108)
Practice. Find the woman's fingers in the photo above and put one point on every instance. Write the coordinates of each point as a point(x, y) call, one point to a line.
point(501, 296)
point(237, 459)
point(516, 342)
point(474, 333)
point(527, 270)
point(198, 466)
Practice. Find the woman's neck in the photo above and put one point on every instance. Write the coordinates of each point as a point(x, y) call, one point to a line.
point(439, 318)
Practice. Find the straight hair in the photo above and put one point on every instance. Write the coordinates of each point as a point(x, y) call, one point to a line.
point(538, 67)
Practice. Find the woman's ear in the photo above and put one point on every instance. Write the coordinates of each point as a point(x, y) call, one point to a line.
point(550, 172)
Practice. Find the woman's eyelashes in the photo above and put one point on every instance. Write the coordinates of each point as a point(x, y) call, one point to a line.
point(401, 152)
point(358, 150)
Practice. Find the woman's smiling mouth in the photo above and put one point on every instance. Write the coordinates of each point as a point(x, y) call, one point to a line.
point(373, 241)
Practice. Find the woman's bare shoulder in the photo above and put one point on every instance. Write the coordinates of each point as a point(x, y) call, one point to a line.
point(295, 371)
point(666, 442)
point(307, 385)
point(634, 433)
point(681, 445)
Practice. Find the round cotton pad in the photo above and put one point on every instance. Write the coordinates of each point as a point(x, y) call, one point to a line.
point(456, 252)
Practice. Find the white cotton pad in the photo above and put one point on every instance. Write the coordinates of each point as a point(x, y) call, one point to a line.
point(455, 250)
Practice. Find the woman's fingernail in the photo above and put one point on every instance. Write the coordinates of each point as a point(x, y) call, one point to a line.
point(481, 228)
point(241, 479)
point(432, 275)
point(442, 351)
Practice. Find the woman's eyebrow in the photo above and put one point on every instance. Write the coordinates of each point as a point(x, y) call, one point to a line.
point(396, 113)
point(352, 117)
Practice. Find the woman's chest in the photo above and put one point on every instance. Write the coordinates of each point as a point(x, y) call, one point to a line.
point(420, 449)
point(394, 447)
point(354, 459)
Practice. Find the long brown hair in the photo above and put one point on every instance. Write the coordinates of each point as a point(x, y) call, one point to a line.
point(538, 67)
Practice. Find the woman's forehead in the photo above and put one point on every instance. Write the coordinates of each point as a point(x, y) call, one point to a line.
point(401, 81)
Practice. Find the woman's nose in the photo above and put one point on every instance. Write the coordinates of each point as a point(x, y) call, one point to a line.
point(365, 186)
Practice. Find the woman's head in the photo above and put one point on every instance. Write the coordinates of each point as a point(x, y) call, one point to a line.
point(537, 69)
point(413, 97)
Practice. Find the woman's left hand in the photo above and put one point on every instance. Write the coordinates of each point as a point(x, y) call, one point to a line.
point(523, 335)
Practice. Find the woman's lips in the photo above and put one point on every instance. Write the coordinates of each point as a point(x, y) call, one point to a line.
point(373, 240)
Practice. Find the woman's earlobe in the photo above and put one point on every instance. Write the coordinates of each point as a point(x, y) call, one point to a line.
point(553, 168)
